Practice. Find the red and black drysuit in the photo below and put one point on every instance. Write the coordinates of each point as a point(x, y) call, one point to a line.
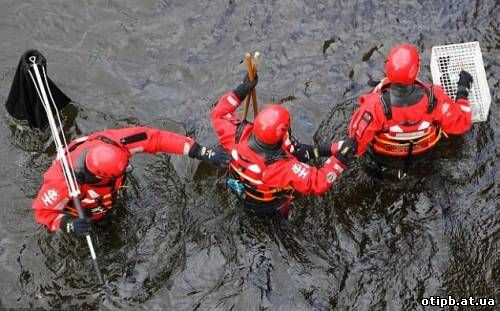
point(269, 178)
point(53, 200)
point(394, 133)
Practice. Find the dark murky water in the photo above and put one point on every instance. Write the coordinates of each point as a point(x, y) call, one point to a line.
point(371, 243)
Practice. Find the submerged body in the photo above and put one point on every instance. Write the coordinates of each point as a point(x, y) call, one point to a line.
point(53, 206)
point(402, 119)
point(270, 175)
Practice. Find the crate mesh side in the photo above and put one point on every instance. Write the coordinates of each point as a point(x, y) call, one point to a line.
point(449, 60)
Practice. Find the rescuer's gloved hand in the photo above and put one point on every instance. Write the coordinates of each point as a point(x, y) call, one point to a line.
point(305, 153)
point(217, 157)
point(345, 151)
point(463, 85)
point(245, 87)
point(78, 226)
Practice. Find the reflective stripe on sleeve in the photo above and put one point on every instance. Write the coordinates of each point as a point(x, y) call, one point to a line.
point(232, 101)
point(136, 149)
point(445, 108)
point(338, 168)
point(187, 147)
point(465, 108)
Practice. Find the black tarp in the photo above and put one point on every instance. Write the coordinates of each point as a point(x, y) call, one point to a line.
point(23, 102)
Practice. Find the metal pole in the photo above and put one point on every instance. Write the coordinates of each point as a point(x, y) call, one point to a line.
point(61, 148)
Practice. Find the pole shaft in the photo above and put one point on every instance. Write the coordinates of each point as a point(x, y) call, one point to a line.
point(248, 62)
point(69, 175)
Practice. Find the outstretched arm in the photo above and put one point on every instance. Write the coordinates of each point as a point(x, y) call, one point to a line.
point(302, 177)
point(149, 140)
point(307, 179)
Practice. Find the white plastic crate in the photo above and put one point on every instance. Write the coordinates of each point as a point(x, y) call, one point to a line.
point(446, 63)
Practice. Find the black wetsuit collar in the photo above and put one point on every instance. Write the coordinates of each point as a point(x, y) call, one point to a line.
point(405, 95)
point(271, 153)
point(262, 148)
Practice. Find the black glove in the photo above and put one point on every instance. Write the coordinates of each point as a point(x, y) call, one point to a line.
point(305, 153)
point(245, 87)
point(347, 151)
point(463, 85)
point(217, 157)
point(78, 226)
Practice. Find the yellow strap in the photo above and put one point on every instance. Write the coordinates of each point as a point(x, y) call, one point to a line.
point(444, 133)
point(259, 198)
point(266, 199)
point(274, 190)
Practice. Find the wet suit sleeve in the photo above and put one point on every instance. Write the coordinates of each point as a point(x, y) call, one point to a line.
point(51, 199)
point(454, 117)
point(225, 120)
point(149, 140)
point(302, 177)
point(366, 121)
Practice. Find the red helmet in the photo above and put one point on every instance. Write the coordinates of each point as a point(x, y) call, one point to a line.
point(106, 161)
point(402, 64)
point(271, 124)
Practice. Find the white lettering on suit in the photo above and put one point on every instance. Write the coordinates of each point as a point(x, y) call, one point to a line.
point(301, 170)
point(49, 197)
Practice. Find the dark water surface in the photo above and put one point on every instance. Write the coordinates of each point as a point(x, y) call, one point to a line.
point(372, 243)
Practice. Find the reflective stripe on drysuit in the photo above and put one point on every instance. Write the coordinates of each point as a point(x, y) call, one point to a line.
point(414, 146)
point(280, 172)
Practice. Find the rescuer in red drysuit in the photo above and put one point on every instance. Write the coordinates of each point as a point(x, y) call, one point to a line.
point(100, 161)
point(401, 120)
point(264, 171)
